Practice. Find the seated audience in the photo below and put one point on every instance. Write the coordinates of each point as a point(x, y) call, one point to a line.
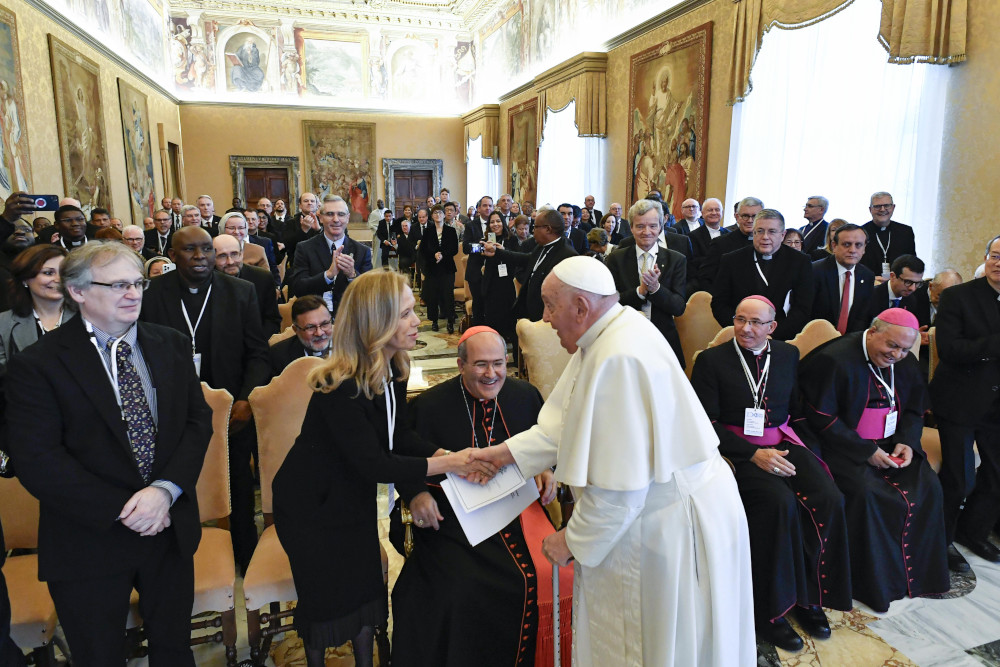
point(901, 290)
point(155, 266)
point(134, 237)
point(745, 212)
point(229, 260)
point(313, 326)
point(843, 286)
point(235, 224)
point(600, 245)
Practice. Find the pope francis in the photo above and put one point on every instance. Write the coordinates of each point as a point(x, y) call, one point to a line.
point(659, 536)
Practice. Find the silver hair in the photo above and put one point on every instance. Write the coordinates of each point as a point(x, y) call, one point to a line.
point(77, 268)
point(823, 201)
point(644, 206)
point(749, 201)
point(715, 199)
point(209, 198)
point(878, 194)
point(189, 207)
point(335, 198)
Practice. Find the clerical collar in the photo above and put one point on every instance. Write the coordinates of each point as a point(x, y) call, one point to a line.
point(598, 327)
point(197, 289)
point(756, 352)
point(552, 241)
point(72, 244)
point(766, 258)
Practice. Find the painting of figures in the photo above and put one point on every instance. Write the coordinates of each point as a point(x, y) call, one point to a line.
point(339, 161)
point(15, 167)
point(504, 46)
point(668, 118)
point(522, 151)
point(335, 65)
point(80, 122)
point(138, 151)
point(247, 57)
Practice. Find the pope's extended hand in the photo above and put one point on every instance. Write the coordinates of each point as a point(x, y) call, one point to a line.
point(555, 549)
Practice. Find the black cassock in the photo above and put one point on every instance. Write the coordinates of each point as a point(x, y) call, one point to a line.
point(458, 605)
point(798, 539)
point(895, 524)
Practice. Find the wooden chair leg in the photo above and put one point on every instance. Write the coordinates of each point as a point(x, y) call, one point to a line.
point(229, 636)
point(254, 636)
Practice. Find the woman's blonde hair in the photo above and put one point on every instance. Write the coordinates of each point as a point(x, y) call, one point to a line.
point(366, 321)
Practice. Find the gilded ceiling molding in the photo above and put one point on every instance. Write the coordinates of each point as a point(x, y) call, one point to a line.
point(484, 121)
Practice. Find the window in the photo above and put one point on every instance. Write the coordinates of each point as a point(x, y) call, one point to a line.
point(570, 167)
point(482, 174)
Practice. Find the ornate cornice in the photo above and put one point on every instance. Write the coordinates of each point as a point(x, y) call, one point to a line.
point(578, 64)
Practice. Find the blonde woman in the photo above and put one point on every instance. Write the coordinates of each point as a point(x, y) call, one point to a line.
point(324, 509)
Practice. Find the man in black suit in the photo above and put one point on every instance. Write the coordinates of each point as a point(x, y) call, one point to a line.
point(887, 239)
point(133, 237)
point(576, 237)
point(841, 275)
point(671, 239)
point(475, 232)
point(504, 205)
point(900, 290)
point(70, 227)
point(814, 233)
point(253, 224)
point(229, 260)
point(158, 239)
point(550, 249)
point(769, 269)
point(176, 211)
point(595, 214)
point(302, 226)
point(209, 220)
point(703, 235)
point(621, 229)
point(111, 442)
point(221, 316)
point(965, 395)
point(746, 210)
point(329, 261)
point(649, 278)
point(691, 210)
point(313, 327)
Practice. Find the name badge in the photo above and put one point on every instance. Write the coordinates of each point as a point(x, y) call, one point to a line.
point(197, 363)
point(885, 270)
point(502, 270)
point(890, 423)
point(753, 422)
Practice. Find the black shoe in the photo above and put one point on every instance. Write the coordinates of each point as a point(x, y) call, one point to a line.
point(982, 548)
point(451, 327)
point(956, 561)
point(813, 621)
point(781, 634)
point(434, 327)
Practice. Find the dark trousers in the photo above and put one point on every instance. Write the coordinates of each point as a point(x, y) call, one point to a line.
point(92, 612)
point(439, 294)
point(241, 521)
point(10, 654)
point(960, 480)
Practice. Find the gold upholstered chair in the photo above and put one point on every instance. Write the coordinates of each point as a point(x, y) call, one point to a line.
point(543, 357)
point(724, 335)
point(813, 334)
point(287, 332)
point(285, 309)
point(696, 327)
point(932, 349)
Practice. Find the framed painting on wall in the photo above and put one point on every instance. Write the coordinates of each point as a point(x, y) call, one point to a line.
point(668, 119)
point(138, 152)
point(80, 123)
point(334, 64)
point(15, 167)
point(522, 150)
point(339, 161)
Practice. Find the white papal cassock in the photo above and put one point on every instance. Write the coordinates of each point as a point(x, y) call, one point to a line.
point(662, 571)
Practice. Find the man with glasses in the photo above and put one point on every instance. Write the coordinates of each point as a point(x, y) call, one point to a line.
point(767, 268)
point(745, 210)
point(134, 238)
point(229, 260)
point(900, 290)
point(965, 394)
point(814, 233)
point(798, 538)
point(110, 438)
point(158, 239)
point(887, 239)
point(329, 261)
point(691, 217)
point(313, 326)
point(70, 227)
point(220, 317)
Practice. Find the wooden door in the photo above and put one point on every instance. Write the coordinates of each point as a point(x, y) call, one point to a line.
point(412, 187)
point(265, 182)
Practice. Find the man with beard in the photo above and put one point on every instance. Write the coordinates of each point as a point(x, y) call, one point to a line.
point(313, 326)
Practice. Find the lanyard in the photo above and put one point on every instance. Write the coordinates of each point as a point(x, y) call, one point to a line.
point(885, 248)
point(194, 329)
point(756, 388)
point(762, 276)
point(161, 242)
point(112, 371)
point(390, 410)
point(891, 388)
point(541, 257)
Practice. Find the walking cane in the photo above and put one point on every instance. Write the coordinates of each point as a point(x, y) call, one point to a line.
point(564, 495)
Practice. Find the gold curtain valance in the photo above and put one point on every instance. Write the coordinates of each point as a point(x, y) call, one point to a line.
point(483, 121)
point(924, 31)
point(582, 78)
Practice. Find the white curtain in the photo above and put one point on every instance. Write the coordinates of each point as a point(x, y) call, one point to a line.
point(482, 176)
point(570, 167)
point(829, 116)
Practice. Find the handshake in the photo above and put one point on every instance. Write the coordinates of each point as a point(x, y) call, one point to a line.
point(477, 465)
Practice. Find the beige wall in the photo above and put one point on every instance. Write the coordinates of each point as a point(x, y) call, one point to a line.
point(969, 198)
point(214, 132)
point(33, 28)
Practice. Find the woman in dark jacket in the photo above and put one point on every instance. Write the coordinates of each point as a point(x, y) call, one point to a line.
point(498, 281)
point(438, 247)
point(324, 492)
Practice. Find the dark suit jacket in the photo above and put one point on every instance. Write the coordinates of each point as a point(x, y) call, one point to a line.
point(272, 261)
point(267, 298)
point(701, 239)
point(679, 243)
point(71, 448)
point(880, 301)
point(529, 299)
point(238, 348)
point(826, 303)
point(900, 241)
point(292, 235)
point(681, 226)
point(473, 234)
point(152, 241)
point(720, 246)
point(967, 380)
point(738, 278)
point(448, 249)
point(211, 226)
point(668, 301)
point(312, 260)
point(578, 239)
point(285, 352)
point(815, 237)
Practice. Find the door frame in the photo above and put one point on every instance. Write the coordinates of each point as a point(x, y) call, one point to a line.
point(390, 165)
point(239, 163)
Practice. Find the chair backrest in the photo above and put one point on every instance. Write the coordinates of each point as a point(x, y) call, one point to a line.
point(278, 409)
point(461, 260)
point(724, 336)
point(915, 348)
point(932, 346)
point(281, 335)
point(213, 482)
point(286, 312)
point(813, 335)
point(543, 356)
point(19, 511)
point(696, 327)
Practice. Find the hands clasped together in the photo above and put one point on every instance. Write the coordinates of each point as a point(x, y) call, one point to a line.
point(147, 512)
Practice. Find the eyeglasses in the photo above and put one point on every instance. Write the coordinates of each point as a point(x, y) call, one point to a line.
point(768, 232)
point(690, 206)
point(882, 207)
point(313, 328)
point(912, 283)
point(740, 321)
point(745, 217)
point(121, 286)
point(813, 206)
point(993, 258)
point(338, 214)
point(793, 242)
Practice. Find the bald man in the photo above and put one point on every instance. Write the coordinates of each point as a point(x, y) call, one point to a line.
point(229, 260)
point(691, 220)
